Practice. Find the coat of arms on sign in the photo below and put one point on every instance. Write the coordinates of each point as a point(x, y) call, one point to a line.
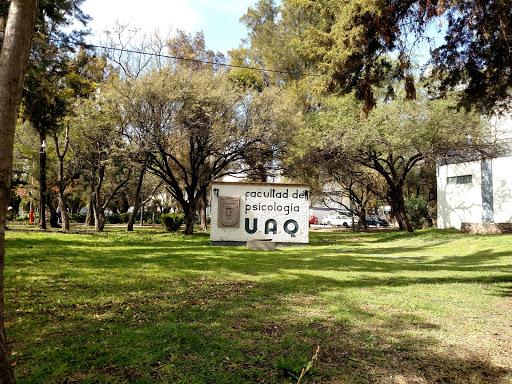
point(229, 211)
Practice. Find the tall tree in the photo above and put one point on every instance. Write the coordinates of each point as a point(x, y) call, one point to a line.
point(138, 199)
point(102, 149)
point(196, 125)
point(46, 97)
point(349, 42)
point(395, 137)
point(273, 34)
point(476, 54)
point(85, 74)
point(13, 66)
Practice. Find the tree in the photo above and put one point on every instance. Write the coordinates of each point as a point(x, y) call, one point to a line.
point(344, 42)
point(349, 42)
point(84, 74)
point(137, 198)
point(101, 148)
point(193, 52)
point(353, 181)
point(396, 136)
point(196, 125)
point(273, 34)
point(476, 54)
point(61, 154)
point(46, 98)
point(13, 66)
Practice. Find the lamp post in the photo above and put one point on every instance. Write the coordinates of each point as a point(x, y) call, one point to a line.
point(42, 185)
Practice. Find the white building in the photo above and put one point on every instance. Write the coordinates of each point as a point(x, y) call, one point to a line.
point(474, 192)
point(477, 191)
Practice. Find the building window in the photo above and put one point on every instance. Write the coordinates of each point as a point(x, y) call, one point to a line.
point(465, 179)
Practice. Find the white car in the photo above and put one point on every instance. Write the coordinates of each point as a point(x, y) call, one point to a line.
point(338, 221)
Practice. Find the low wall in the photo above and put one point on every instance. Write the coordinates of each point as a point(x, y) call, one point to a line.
point(486, 228)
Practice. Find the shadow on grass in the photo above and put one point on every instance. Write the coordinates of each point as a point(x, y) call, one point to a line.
point(207, 330)
point(195, 256)
point(107, 309)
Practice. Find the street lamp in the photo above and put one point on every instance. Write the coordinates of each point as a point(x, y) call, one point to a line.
point(43, 146)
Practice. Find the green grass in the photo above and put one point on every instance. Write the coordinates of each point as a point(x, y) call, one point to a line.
point(151, 307)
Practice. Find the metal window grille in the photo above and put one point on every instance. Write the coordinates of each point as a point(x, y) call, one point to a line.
point(464, 179)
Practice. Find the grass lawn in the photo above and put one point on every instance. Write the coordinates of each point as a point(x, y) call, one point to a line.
point(150, 307)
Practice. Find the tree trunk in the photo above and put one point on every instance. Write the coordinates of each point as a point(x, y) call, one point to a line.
point(190, 218)
point(89, 219)
point(99, 211)
point(13, 66)
point(403, 215)
point(42, 183)
point(362, 219)
point(99, 215)
point(54, 219)
point(62, 198)
point(202, 211)
point(64, 210)
point(99, 205)
point(396, 201)
point(136, 204)
point(131, 220)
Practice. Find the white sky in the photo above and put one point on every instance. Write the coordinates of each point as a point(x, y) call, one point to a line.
point(218, 19)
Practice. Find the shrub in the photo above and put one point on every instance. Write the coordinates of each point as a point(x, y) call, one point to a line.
point(417, 211)
point(78, 217)
point(126, 217)
point(114, 218)
point(172, 221)
point(148, 216)
point(197, 219)
point(157, 217)
point(24, 217)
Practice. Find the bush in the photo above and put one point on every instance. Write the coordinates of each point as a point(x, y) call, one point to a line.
point(77, 217)
point(197, 220)
point(126, 217)
point(114, 218)
point(157, 218)
point(24, 217)
point(172, 221)
point(417, 211)
point(148, 216)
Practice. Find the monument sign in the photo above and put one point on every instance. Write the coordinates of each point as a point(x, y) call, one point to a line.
point(256, 211)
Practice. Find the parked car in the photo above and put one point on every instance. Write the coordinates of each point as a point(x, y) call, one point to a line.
point(338, 220)
point(313, 220)
point(376, 221)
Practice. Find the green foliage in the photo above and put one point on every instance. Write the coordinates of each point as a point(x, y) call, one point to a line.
point(24, 217)
point(246, 78)
point(172, 221)
point(115, 218)
point(476, 52)
point(126, 217)
point(363, 46)
point(77, 217)
point(274, 30)
point(148, 216)
point(417, 211)
point(292, 367)
point(392, 140)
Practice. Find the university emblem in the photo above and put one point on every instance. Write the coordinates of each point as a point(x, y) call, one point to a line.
point(229, 211)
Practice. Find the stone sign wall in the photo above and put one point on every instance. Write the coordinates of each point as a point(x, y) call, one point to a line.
point(251, 211)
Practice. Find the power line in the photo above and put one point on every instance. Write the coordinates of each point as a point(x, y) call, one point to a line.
point(198, 60)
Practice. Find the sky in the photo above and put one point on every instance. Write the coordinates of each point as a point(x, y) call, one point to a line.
point(218, 19)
